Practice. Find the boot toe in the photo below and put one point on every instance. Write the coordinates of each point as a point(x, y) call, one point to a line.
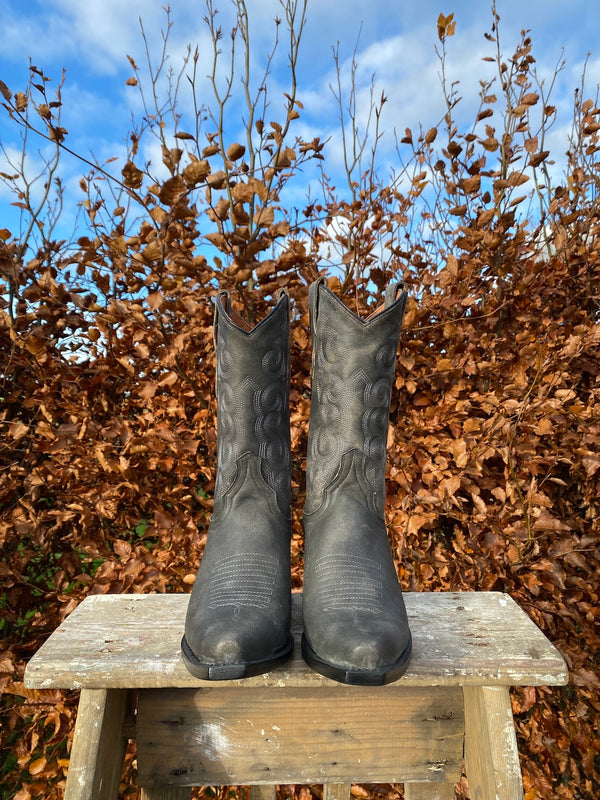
point(365, 657)
point(232, 650)
point(224, 648)
point(369, 655)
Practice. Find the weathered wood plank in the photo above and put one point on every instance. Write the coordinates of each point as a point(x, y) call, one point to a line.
point(98, 747)
point(193, 737)
point(336, 791)
point(491, 754)
point(166, 793)
point(133, 641)
point(263, 792)
point(429, 791)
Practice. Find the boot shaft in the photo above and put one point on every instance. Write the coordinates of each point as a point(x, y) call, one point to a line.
point(239, 615)
point(353, 371)
point(253, 416)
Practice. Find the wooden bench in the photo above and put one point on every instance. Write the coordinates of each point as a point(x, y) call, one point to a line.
point(292, 726)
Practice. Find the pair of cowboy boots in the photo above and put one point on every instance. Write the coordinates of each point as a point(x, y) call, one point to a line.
point(239, 615)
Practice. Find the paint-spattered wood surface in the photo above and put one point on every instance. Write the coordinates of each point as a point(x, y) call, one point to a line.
point(133, 641)
point(299, 735)
point(292, 725)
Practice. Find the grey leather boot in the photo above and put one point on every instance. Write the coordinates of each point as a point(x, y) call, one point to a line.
point(238, 619)
point(355, 625)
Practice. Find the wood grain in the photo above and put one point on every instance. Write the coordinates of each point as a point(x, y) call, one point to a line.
point(337, 791)
point(429, 791)
point(491, 754)
point(98, 747)
point(263, 792)
point(292, 725)
point(166, 793)
point(299, 735)
point(133, 641)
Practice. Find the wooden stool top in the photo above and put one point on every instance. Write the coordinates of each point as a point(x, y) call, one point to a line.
point(132, 641)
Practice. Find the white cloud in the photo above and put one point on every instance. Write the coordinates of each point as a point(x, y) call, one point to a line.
point(396, 46)
point(103, 31)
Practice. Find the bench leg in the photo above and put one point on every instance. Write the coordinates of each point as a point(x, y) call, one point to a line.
point(429, 791)
point(98, 750)
point(336, 791)
point(166, 793)
point(491, 754)
point(266, 791)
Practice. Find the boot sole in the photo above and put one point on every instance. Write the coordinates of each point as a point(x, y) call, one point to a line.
point(357, 677)
point(228, 672)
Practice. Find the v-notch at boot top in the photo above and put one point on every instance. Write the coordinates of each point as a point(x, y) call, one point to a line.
point(239, 615)
point(355, 624)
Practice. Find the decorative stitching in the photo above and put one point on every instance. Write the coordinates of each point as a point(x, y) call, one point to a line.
point(246, 579)
point(350, 411)
point(349, 582)
point(252, 379)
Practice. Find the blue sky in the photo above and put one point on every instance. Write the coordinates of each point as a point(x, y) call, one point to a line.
point(92, 39)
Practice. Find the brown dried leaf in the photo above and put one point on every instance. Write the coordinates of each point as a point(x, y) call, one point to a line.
point(195, 172)
point(172, 190)
point(264, 216)
point(536, 159)
point(235, 151)
point(217, 180)
point(132, 176)
point(517, 179)
point(38, 766)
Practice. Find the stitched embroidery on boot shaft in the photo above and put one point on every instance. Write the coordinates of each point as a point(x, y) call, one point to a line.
point(268, 400)
point(336, 393)
point(349, 582)
point(246, 579)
